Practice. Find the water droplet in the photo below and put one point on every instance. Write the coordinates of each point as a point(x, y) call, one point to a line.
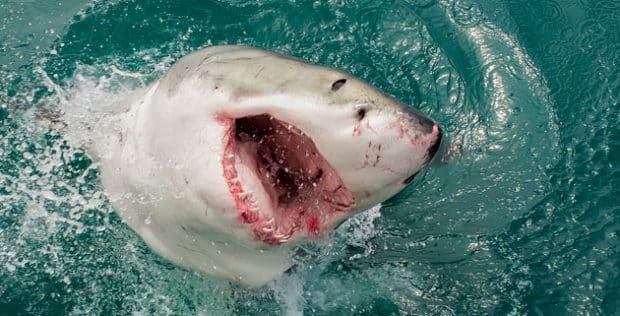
point(10, 267)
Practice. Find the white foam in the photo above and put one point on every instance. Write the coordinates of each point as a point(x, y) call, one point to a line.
point(356, 231)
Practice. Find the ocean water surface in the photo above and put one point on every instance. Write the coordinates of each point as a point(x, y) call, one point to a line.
point(526, 221)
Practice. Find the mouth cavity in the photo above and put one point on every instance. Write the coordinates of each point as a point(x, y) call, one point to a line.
point(280, 182)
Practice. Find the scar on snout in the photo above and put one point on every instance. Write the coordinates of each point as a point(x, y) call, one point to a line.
point(373, 155)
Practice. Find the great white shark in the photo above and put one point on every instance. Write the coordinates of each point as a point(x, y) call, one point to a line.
point(237, 155)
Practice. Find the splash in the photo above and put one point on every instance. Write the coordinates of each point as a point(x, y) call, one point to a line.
point(59, 231)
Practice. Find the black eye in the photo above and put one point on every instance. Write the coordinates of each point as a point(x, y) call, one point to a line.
point(361, 113)
point(338, 84)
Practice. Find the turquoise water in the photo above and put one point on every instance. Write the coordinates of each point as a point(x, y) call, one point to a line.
point(525, 222)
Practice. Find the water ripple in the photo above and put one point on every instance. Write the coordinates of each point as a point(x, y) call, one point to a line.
point(524, 221)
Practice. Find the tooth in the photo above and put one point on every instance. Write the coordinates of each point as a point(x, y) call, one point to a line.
point(278, 235)
point(270, 221)
point(267, 229)
point(230, 156)
point(286, 237)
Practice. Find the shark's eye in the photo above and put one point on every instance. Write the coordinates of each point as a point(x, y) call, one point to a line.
point(361, 113)
point(338, 84)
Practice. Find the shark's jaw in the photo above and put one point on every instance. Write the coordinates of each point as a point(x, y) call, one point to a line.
point(281, 184)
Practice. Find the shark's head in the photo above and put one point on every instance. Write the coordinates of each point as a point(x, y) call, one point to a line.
point(249, 148)
point(303, 146)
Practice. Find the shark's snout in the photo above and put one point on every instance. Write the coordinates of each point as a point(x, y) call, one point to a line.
point(441, 150)
point(421, 122)
point(432, 151)
point(426, 124)
point(428, 127)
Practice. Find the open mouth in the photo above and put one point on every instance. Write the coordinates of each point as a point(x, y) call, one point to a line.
point(279, 180)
